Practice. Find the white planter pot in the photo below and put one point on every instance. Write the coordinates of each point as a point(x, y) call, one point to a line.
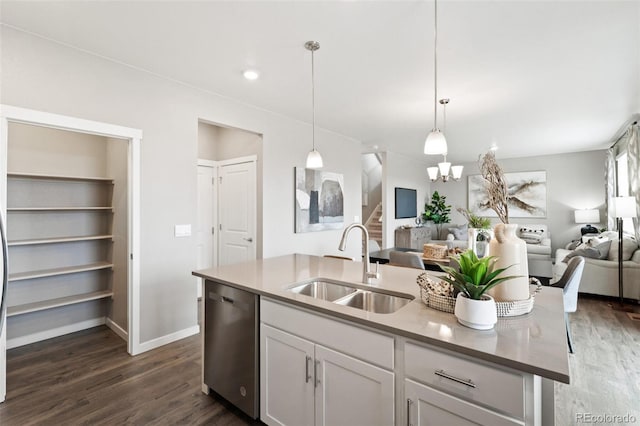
point(478, 314)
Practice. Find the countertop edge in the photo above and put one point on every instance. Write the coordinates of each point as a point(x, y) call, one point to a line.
point(496, 359)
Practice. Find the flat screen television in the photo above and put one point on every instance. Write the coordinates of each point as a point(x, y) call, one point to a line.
point(406, 203)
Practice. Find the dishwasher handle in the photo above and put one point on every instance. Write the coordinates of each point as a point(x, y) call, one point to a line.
point(226, 300)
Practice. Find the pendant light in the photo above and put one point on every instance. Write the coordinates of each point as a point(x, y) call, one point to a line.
point(436, 143)
point(314, 159)
point(444, 167)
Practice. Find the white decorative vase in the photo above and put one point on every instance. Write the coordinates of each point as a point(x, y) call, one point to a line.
point(480, 246)
point(477, 314)
point(510, 250)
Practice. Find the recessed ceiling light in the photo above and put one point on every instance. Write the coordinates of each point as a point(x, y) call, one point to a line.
point(251, 74)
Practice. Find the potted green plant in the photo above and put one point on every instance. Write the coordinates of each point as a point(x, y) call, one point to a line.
point(437, 211)
point(474, 308)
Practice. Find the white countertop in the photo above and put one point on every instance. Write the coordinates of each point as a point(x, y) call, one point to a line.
point(534, 343)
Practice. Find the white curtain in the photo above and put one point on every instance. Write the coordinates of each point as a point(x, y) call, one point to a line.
point(633, 152)
point(610, 187)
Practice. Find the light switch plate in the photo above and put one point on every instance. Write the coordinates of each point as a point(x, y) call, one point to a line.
point(182, 230)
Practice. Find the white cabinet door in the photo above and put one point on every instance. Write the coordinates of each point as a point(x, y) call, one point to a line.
point(351, 392)
point(429, 407)
point(286, 378)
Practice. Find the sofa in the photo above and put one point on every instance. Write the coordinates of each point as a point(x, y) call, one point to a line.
point(600, 275)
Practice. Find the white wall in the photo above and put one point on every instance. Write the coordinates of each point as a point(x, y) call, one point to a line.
point(403, 172)
point(42, 75)
point(574, 181)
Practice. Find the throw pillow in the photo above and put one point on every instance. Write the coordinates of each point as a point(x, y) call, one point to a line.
point(594, 241)
point(629, 245)
point(459, 232)
point(530, 237)
point(601, 251)
point(573, 244)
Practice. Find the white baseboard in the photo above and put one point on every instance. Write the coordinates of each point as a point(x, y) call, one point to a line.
point(117, 329)
point(169, 338)
point(54, 332)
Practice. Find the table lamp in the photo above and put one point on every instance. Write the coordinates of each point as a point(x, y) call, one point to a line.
point(622, 207)
point(587, 216)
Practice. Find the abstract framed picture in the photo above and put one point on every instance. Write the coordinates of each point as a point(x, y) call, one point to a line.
point(319, 200)
point(527, 195)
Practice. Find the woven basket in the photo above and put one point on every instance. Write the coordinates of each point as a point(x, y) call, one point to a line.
point(448, 304)
point(434, 251)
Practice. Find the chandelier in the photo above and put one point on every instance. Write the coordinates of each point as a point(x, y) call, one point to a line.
point(445, 167)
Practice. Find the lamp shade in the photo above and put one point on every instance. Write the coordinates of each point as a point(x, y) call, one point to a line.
point(624, 207)
point(456, 172)
point(433, 173)
point(444, 168)
point(587, 216)
point(314, 160)
point(436, 144)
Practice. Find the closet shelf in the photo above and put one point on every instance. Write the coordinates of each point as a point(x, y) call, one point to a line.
point(57, 240)
point(59, 177)
point(56, 303)
point(57, 209)
point(59, 271)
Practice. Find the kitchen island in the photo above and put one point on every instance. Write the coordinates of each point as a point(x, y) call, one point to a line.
point(421, 361)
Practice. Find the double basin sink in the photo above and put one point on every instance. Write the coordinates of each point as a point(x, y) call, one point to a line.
point(347, 294)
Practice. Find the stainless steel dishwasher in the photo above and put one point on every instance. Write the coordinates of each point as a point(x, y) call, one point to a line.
point(231, 345)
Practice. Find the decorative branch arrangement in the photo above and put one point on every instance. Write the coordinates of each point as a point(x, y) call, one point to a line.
point(496, 186)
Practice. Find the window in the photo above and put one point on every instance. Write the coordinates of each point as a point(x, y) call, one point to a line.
point(622, 185)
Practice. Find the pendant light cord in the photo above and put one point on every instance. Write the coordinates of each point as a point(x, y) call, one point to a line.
point(313, 103)
point(435, 66)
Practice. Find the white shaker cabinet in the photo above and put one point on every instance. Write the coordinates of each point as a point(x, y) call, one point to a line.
point(287, 393)
point(428, 406)
point(306, 383)
point(351, 392)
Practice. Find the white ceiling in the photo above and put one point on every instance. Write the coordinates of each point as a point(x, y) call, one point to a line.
point(536, 77)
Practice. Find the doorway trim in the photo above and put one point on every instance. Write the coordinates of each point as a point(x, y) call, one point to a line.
point(12, 114)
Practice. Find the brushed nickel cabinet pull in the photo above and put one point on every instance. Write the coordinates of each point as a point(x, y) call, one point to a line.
point(306, 369)
point(469, 383)
point(316, 365)
point(409, 402)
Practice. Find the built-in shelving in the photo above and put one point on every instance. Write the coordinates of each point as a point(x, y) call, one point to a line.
point(58, 240)
point(54, 209)
point(58, 177)
point(42, 273)
point(56, 303)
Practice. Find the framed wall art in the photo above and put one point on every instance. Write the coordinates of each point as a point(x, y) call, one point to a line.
point(319, 200)
point(527, 195)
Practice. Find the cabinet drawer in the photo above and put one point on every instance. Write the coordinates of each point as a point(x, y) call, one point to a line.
point(358, 342)
point(499, 389)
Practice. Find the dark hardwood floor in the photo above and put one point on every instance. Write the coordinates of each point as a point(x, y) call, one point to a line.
point(88, 378)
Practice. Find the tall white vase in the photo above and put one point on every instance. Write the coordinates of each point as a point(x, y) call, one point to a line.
point(510, 250)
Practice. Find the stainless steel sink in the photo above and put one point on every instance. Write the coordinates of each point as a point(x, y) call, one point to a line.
point(352, 295)
point(321, 289)
point(379, 303)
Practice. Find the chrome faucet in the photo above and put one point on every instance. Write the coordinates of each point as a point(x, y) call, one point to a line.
point(366, 272)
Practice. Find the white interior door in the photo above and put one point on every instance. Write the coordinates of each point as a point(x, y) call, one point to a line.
point(237, 210)
point(205, 227)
